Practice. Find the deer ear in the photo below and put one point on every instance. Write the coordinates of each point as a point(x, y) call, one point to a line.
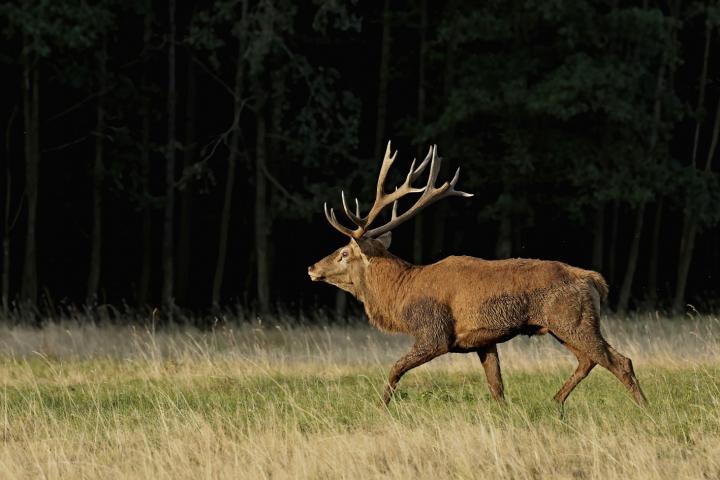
point(356, 244)
point(385, 239)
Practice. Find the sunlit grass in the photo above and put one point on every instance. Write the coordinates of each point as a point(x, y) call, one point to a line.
point(253, 401)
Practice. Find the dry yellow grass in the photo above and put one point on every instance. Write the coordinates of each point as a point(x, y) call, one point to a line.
point(267, 401)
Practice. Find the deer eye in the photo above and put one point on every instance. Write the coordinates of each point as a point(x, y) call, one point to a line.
point(344, 254)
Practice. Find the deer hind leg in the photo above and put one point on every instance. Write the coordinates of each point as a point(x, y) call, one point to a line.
point(590, 342)
point(585, 364)
point(491, 364)
point(622, 368)
point(421, 352)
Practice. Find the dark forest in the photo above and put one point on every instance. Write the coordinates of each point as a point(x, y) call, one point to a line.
point(178, 154)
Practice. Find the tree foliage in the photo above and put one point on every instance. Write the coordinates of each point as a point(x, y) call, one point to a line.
point(573, 122)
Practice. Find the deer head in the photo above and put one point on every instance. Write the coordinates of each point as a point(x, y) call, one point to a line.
point(345, 267)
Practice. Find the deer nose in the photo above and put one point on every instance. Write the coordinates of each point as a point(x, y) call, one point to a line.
point(311, 272)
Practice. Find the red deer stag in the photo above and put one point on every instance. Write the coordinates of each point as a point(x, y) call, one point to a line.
point(466, 304)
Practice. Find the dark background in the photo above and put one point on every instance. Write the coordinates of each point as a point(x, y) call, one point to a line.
point(574, 122)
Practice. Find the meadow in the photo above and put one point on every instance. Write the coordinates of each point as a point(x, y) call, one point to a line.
point(251, 399)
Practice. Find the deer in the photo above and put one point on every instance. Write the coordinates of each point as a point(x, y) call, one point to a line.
point(463, 304)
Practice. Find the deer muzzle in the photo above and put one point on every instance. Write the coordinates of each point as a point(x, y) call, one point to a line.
point(314, 275)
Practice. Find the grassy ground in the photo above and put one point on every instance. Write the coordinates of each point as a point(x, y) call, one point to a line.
point(259, 401)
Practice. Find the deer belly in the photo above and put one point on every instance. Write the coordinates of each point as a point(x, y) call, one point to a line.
point(481, 337)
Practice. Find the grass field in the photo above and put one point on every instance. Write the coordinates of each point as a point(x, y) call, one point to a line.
point(265, 401)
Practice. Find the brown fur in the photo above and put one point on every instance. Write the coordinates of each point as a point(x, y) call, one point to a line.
point(466, 304)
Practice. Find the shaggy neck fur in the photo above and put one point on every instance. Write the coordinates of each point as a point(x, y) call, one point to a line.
point(385, 280)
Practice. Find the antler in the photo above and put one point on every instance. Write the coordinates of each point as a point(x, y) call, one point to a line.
point(430, 194)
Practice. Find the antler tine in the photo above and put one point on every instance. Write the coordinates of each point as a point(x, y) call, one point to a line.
point(382, 199)
point(447, 188)
point(435, 164)
point(337, 225)
point(387, 163)
point(355, 218)
point(393, 215)
point(414, 174)
point(458, 193)
point(409, 177)
point(430, 194)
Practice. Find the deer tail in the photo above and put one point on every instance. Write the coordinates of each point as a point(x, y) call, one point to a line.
point(600, 284)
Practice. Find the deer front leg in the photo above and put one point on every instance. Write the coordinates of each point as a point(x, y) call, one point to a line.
point(421, 352)
point(491, 363)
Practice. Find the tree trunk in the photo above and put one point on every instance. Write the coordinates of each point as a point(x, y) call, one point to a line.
point(146, 239)
point(224, 224)
point(690, 227)
point(437, 234)
point(654, 256)
point(612, 251)
point(230, 179)
point(340, 305)
point(261, 220)
point(418, 240)
point(384, 79)
point(598, 239)
point(687, 243)
point(701, 91)
point(626, 288)
point(31, 102)
point(7, 224)
point(186, 193)
point(503, 248)
point(419, 236)
point(98, 174)
point(167, 245)
point(715, 250)
point(6, 248)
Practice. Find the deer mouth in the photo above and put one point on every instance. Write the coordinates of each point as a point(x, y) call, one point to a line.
point(316, 278)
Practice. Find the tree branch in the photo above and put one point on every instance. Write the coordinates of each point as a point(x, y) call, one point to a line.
point(17, 212)
point(227, 88)
point(65, 145)
point(79, 104)
point(276, 183)
point(291, 141)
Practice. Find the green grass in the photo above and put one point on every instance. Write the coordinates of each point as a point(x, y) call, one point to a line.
point(680, 399)
point(261, 403)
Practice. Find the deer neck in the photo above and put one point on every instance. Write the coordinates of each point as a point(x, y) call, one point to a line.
point(386, 280)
